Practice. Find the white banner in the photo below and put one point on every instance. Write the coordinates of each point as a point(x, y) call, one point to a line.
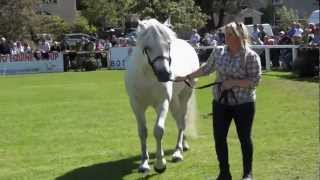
point(31, 63)
point(119, 57)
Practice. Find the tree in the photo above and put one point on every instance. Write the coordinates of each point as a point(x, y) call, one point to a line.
point(106, 13)
point(53, 25)
point(17, 18)
point(184, 14)
point(81, 25)
point(216, 10)
point(268, 14)
point(110, 13)
point(286, 16)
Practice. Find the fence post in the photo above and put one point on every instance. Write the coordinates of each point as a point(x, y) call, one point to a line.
point(294, 54)
point(267, 55)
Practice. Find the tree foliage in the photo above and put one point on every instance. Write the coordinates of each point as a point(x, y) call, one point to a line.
point(184, 13)
point(81, 25)
point(54, 25)
point(287, 16)
point(110, 13)
point(17, 18)
point(216, 10)
point(105, 13)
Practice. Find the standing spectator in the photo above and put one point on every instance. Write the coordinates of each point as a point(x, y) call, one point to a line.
point(108, 44)
point(44, 48)
point(4, 46)
point(220, 37)
point(16, 48)
point(255, 36)
point(297, 36)
point(99, 45)
point(26, 47)
point(285, 56)
point(292, 30)
point(195, 38)
point(64, 46)
point(114, 40)
point(262, 34)
point(209, 40)
point(55, 47)
point(316, 40)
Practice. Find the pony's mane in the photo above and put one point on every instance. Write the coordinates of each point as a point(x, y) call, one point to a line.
point(152, 28)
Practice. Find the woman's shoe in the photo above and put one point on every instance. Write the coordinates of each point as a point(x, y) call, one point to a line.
point(247, 177)
point(224, 176)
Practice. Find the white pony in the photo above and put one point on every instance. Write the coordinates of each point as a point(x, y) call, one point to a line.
point(159, 57)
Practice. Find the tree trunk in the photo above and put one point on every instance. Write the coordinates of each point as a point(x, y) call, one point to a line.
point(211, 22)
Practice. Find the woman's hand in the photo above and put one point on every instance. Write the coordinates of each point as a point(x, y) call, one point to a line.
point(180, 78)
point(228, 84)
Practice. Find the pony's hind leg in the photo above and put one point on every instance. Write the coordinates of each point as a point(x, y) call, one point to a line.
point(143, 132)
point(179, 110)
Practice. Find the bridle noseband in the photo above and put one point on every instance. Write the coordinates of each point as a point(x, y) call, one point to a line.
point(161, 57)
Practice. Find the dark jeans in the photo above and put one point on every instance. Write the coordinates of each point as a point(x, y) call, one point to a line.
point(243, 115)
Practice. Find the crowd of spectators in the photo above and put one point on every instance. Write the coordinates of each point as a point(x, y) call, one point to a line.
point(281, 58)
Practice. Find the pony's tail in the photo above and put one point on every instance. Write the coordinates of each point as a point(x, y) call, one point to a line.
point(191, 117)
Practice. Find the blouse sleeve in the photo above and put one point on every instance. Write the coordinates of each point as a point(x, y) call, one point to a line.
point(253, 68)
point(210, 66)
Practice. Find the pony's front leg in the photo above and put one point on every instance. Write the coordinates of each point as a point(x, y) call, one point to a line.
point(143, 132)
point(162, 110)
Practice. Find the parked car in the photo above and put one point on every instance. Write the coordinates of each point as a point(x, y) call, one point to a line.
point(266, 27)
point(74, 38)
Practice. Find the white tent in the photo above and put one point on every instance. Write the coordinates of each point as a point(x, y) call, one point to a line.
point(314, 17)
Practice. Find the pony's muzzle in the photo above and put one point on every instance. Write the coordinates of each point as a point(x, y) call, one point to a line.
point(164, 76)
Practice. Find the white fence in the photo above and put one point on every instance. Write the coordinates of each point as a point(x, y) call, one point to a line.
point(267, 51)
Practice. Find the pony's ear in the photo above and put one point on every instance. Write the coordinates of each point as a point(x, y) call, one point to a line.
point(142, 25)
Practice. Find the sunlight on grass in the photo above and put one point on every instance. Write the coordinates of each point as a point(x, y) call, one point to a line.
point(80, 126)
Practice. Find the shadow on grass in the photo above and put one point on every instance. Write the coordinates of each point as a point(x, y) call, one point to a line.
point(109, 170)
point(291, 76)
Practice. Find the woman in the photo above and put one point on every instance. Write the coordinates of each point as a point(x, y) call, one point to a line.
point(238, 70)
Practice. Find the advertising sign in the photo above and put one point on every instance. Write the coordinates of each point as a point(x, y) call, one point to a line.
point(31, 63)
point(119, 57)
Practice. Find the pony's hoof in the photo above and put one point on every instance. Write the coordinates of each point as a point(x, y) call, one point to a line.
point(160, 170)
point(143, 170)
point(177, 159)
point(177, 156)
point(144, 167)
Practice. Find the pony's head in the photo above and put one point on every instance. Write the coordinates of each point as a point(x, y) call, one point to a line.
point(154, 39)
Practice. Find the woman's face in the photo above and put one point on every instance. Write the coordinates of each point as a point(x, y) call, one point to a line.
point(231, 38)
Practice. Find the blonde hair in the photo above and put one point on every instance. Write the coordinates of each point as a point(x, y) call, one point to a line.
point(239, 30)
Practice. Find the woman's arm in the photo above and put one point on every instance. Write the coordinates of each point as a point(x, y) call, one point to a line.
point(193, 75)
point(253, 69)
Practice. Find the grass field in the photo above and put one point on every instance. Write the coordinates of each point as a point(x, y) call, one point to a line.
point(80, 126)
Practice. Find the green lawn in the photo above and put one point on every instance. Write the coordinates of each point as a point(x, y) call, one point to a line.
point(80, 126)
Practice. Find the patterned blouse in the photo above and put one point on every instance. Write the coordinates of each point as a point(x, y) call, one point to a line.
point(244, 65)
